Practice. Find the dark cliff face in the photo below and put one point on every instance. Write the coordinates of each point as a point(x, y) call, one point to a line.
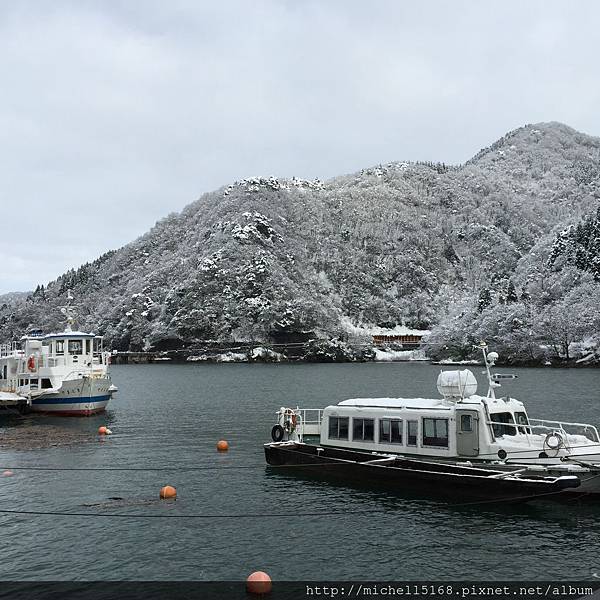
point(268, 259)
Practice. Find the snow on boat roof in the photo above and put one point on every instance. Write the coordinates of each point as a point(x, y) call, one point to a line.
point(67, 334)
point(395, 402)
point(405, 402)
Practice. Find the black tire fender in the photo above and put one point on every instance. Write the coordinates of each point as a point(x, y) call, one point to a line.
point(277, 433)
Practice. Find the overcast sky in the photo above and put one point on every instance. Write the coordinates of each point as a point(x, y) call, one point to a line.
point(113, 114)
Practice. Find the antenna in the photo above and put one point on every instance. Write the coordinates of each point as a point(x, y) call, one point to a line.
point(489, 361)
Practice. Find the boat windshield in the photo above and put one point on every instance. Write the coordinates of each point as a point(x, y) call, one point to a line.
point(521, 419)
point(497, 424)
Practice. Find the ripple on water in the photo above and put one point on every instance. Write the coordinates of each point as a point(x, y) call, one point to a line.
point(171, 416)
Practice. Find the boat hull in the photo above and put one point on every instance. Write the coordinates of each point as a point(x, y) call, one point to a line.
point(401, 474)
point(77, 397)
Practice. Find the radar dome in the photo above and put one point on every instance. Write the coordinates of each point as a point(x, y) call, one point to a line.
point(492, 357)
point(455, 385)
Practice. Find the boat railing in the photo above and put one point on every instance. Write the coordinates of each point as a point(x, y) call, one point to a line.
point(585, 429)
point(8, 350)
point(310, 420)
point(543, 426)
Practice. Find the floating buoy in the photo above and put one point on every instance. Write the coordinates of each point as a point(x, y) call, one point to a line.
point(258, 583)
point(7, 473)
point(103, 430)
point(168, 492)
point(222, 446)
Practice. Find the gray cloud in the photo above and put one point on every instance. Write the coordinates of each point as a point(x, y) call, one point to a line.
point(114, 114)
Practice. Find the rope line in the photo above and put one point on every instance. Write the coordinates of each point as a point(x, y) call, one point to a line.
point(171, 469)
point(109, 469)
point(263, 515)
point(286, 515)
point(482, 465)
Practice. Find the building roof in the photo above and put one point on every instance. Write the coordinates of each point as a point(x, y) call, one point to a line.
point(399, 330)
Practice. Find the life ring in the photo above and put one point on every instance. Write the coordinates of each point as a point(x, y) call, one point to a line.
point(31, 363)
point(554, 441)
point(277, 433)
point(290, 419)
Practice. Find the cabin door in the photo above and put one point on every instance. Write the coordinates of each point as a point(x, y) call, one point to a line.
point(467, 432)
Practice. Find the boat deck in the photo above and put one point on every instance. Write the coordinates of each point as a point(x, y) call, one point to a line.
point(10, 400)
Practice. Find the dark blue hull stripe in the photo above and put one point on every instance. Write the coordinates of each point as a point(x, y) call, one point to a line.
point(74, 400)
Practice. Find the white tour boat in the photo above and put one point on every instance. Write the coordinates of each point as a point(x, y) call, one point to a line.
point(460, 426)
point(60, 373)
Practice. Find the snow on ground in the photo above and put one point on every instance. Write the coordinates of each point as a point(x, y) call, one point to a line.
point(266, 354)
point(370, 330)
point(225, 357)
point(452, 361)
point(258, 353)
point(398, 355)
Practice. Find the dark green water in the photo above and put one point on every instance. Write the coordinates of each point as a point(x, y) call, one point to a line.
point(171, 416)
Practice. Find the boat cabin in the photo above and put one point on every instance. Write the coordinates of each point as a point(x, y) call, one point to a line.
point(459, 424)
point(423, 426)
point(44, 360)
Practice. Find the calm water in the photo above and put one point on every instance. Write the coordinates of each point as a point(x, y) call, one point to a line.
point(171, 416)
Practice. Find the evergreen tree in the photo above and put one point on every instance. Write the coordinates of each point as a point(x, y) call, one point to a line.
point(511, 293)
point(485, 299)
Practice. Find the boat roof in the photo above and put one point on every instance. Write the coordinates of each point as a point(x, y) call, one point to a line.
point(66, 334)
point(406, 402)
point(395, 402)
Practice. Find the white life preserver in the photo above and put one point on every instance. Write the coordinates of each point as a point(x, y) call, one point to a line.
point(554, 441)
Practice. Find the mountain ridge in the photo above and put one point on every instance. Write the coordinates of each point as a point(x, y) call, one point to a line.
point(267, 259)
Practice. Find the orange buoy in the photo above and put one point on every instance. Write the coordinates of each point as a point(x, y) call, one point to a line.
point(102, 430)
point(222, 446)
point(258, 583)
point(7, 473)
point(168, 492)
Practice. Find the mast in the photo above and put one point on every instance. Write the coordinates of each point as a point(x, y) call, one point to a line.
point(69, 312)
point(489, 361)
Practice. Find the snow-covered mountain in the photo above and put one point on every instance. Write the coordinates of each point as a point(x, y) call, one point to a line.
point(472, 251)
point(12, 297)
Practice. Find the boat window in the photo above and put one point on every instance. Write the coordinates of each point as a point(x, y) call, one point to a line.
point(96, 345)
point(75, 347)
point(413, 430)
point(46, 383)
point(435, 432)
point(499, 429)
point(466, 423)
point(338, 428)
point(521, 419)
point(363, 429)
point(390, 431)
point(88, 346)
point(60, 346)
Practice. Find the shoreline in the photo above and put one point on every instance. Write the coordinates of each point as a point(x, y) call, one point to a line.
point(185, 357)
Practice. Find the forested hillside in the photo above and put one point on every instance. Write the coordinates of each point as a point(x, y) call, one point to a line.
point(503, 248)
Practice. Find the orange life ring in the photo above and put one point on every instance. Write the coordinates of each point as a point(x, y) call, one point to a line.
point(31, 363)
point(293, 419)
